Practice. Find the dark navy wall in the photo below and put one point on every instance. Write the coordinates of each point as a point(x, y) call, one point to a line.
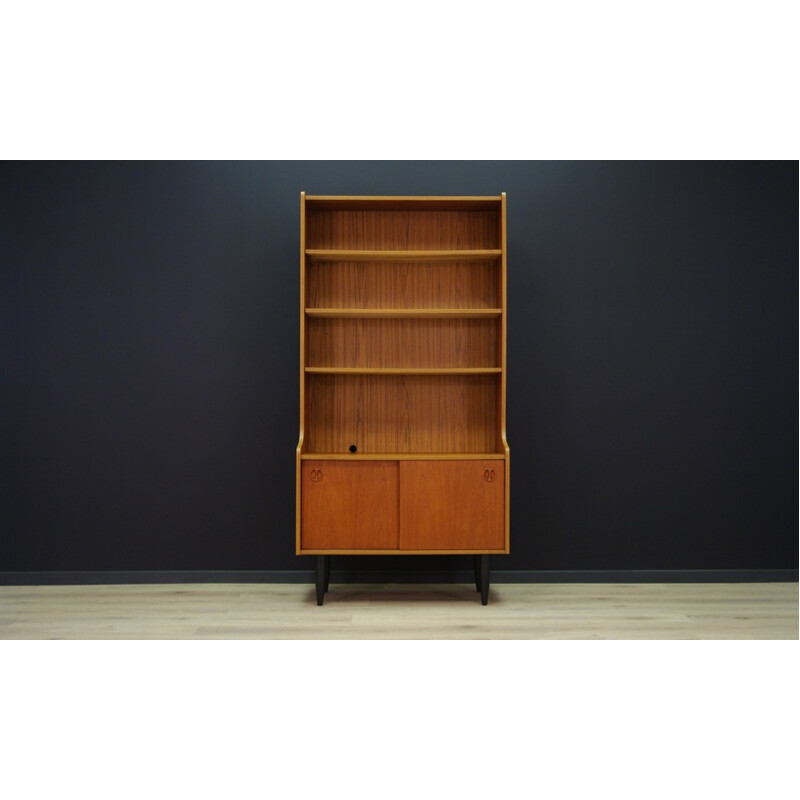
point(148, 361)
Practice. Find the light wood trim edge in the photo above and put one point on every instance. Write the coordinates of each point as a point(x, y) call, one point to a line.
point(402, 255)
point(403, 371)
point(416, 198)
point(404, 313)
point(398, 552)
point(403, 456)
point(299, 464)
point(503, 339)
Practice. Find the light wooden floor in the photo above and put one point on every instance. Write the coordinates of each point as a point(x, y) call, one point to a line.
point(288, 611)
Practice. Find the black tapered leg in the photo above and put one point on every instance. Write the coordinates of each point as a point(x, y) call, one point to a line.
point(484, 579)
point(320, 579)
point(476, 566)
point(327, 572)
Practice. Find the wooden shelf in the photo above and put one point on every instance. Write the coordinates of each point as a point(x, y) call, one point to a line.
point(401, 456)
point(402, 255)
point(404, 313)
point(401, 371)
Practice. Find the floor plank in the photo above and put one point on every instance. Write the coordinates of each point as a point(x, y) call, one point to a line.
point(289, 611)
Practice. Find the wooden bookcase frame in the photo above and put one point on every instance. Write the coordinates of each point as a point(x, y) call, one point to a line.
point(403, 320)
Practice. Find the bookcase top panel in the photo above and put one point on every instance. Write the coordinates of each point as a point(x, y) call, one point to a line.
point(404, 202)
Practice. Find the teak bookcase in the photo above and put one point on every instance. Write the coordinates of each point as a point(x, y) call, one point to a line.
point(402, 443)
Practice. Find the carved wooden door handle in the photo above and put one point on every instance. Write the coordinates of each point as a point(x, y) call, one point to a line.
point(489, 475)
point(316, 475)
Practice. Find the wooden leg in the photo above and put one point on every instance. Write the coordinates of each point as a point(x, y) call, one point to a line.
point(320, 579)
point(476, 566)
point(327, 572)
point(484, 579)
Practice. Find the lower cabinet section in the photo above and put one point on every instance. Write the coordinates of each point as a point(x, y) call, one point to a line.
point(350, 505)
point(406, 505)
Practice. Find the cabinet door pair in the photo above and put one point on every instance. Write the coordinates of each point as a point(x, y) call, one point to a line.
point(403, 505)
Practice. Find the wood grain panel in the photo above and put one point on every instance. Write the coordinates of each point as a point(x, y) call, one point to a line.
point(350, 505)
point(420, 342)
point(451, 505)
point(402, 414)
point(401, 230)
point(344, 284)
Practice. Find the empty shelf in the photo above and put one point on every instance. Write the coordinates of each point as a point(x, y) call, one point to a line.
point(405, 313)
point(402, 255)
point(402, 371)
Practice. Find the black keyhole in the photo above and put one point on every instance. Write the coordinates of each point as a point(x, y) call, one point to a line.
point(353, 448)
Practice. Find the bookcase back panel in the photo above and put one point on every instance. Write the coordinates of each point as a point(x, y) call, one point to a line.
point(434, 343)
point(468, 284)
point(402, 230)
point(402, 414)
